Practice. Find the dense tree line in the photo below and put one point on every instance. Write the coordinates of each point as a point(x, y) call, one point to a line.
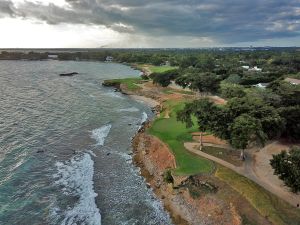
point(250, 115)
point(274, 62)
point(286, 165)
point(164, 79)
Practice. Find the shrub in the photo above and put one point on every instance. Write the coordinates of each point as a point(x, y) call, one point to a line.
point(168, 177)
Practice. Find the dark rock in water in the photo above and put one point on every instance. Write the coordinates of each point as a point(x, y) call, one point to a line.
point(40, 151)
point(68, 74)
point(108, 153)
point(130, 124)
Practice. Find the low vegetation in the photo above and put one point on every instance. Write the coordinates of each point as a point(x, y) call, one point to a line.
point(175, 133)
point(131, 83)
point(268, 205)
point(225, 154)
point(161, 69)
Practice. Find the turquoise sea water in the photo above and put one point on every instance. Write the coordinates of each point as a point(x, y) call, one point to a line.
point(65, 144)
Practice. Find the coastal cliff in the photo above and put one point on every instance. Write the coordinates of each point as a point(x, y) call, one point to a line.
point(155, 159)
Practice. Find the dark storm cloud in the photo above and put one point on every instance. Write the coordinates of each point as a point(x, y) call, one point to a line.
point(228, 21)
point(6, 8)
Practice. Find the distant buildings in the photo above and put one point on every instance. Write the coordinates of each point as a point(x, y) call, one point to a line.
point(109, 59)
point(255, 68)
point(293, 81)
point(246, 67)
point(166, 63)
point(261, 85)
point(52, 56)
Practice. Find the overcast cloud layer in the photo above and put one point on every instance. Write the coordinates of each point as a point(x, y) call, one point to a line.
point(212, 21)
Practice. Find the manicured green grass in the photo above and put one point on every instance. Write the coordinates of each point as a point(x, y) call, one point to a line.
point(171, 91)
point(175, 133)
point(276, 210)
point(161, 69)
point(129, 82)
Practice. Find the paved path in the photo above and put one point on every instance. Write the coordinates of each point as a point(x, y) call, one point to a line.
point(250, 170)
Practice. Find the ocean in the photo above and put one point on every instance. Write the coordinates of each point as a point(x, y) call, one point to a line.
point(65, 147)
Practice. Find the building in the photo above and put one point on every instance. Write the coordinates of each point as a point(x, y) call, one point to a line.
point(109, 59)
point(246, 67)
point(261, 85)
point(255, 68)
point(293, 81)
point(166, 63)
point(52, 56)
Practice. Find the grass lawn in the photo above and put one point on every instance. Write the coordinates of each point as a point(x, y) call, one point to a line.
point(161, 69)
point(129, 82)
point(171, 91)
point(268, 205)
point(175, 133)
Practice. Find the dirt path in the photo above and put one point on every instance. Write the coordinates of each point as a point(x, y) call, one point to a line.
point(256, 168)
point(194, 148)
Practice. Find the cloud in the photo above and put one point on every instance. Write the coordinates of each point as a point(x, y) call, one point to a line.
point(224, 21)
point(6, 8)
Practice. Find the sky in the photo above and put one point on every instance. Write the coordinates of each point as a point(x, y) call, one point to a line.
point(148, 24)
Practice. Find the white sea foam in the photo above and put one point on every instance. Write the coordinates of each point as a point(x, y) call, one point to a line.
point(91, 153)
point(101, 133)
point(76, 179)
point(114, 95)
point(143, 120)
point(144, 117)
point(123, 155)
point(132, 109)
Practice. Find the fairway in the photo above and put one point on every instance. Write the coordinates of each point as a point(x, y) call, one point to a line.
point(129, 82)
point(175, 133)
point(161, 69)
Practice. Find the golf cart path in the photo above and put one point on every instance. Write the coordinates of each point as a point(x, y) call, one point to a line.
point(256, 167)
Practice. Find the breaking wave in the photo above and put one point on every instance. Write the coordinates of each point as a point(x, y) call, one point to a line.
point(76, 178)
point(101, 133)
point(144, 117)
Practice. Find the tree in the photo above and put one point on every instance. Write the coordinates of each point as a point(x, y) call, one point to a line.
point(272, 123)
point(210, 117)
point(289, 93)
point(246, 129)
point(164, 79)
point(229, 90)
point(202, 110)
point(202, 82)
point(291, 116)
point(266, 95)
point(234, 79)
point(286, 165)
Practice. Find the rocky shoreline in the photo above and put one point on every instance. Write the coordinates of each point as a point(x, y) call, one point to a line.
point(154, 158)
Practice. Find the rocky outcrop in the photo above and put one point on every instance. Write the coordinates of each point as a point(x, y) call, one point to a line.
point(190, 200)
point(68, 74)
point(112, 83)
